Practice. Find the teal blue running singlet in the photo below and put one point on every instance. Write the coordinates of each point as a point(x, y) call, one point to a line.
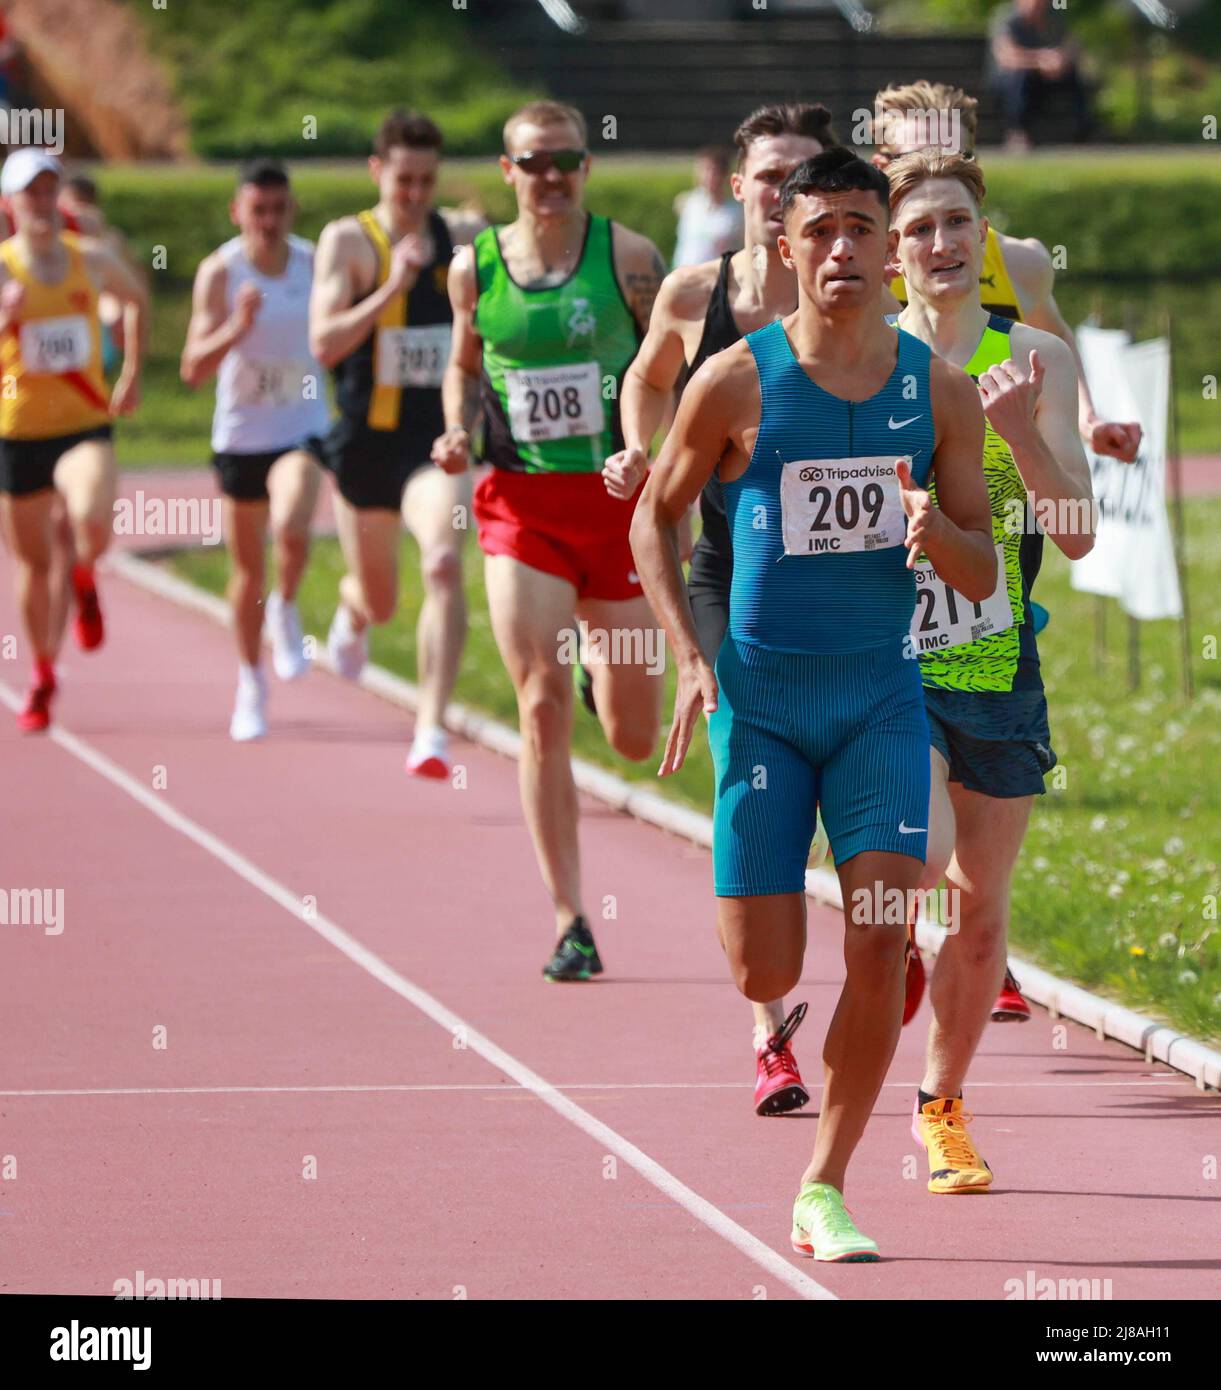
point(819, 563)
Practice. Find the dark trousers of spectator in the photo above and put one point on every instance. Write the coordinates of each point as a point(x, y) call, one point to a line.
point(1022, 93)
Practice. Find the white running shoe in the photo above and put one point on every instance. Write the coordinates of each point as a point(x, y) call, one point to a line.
point(349, 649)
point(288, 656)
point(429, 756)
point(250, 707)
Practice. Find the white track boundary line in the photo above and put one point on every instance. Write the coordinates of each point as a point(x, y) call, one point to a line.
point(1104, 1017)
point(490, 1088)
point(661, 1178)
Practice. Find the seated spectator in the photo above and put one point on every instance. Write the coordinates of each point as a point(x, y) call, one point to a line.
point(1033, 55)
point(709, 219)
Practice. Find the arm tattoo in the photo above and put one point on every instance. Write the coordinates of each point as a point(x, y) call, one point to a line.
point(642, 288)
point(470, 402)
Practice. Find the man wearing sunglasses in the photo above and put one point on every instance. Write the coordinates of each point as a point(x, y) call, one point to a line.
point(548, 313)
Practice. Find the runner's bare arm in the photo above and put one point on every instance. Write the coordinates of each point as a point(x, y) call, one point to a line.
point(114, 276)
point(460, 384)
point(212, 331)
point(1040, 428)
point(338, 321)
point(1030, 267)
point(701, 434)
point(956, 535)
point(716, 419)
point(640, 270)
point(648, 386)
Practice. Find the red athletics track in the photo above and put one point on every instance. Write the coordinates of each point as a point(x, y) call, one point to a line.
point(441, 1166)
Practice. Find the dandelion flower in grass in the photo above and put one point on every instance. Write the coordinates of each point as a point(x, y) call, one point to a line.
point(1136, 950)
point(1167, 938)
point(1188, 977)
point(1115, 890)
point(1173, 845)
point(1038, 864)
point(1098, 823)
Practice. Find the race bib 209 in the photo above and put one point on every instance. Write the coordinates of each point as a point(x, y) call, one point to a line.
point(841, 506)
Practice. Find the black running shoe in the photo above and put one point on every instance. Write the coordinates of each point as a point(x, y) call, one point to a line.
point(585, 689)
point(576, 957)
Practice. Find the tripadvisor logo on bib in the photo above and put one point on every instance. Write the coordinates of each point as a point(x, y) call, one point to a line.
point(581, 322)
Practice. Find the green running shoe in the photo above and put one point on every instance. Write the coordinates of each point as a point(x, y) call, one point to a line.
point(823, 1230)
point(576, 957)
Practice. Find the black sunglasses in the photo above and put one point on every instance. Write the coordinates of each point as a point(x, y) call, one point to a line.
point(542, 161)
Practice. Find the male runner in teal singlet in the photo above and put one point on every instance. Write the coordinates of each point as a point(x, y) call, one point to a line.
point(825, 427)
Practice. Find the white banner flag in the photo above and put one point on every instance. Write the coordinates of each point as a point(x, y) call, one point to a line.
point(1133, 555)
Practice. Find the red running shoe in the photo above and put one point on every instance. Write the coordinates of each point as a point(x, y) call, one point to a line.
point(1010, 1007)
point(35, 714)
point(87, 626)
point(777, 1081)
point(915, 982)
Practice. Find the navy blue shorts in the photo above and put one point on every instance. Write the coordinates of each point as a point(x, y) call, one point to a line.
point(996, 742)
point(792, 733)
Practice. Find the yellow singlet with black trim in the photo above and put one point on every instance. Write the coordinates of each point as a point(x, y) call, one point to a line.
point(997, 293)
point(51, 357)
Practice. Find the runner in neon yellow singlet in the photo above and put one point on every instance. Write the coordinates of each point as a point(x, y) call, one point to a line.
point(979, 662)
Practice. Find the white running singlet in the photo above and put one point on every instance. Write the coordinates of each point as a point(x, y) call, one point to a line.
point(270, 392)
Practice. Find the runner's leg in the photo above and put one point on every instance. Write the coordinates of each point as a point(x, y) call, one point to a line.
point(87, 479)
point(28, 533)
point(245, 534)
point(971, 962)
point(369, 539)
point(431, 503)
point(629, 680)
point(292, 484)
point(864, 1029)
point(529, 612)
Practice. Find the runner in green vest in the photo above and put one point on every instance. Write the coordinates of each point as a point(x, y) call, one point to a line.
point(548, 312)
point(979, 662)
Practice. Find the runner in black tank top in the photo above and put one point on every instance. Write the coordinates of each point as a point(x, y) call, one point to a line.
point(700, 311)
point(711, 573)
point(381, 320)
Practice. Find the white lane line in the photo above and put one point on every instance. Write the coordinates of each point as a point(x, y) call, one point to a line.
point(558, 1086)
point(649, 1169)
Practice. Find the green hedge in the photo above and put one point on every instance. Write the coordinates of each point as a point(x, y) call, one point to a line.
point(1123, 216)
point(1130, 219)
point(249, 74)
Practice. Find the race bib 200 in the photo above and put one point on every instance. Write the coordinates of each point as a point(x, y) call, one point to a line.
point(555, 402)
point(55, 346)
point(944, 619)
point(412, 356)
point(841, 506)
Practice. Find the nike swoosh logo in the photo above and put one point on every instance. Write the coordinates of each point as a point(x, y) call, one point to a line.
point(905, 829)
point(898, 424)
point(586, 951)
